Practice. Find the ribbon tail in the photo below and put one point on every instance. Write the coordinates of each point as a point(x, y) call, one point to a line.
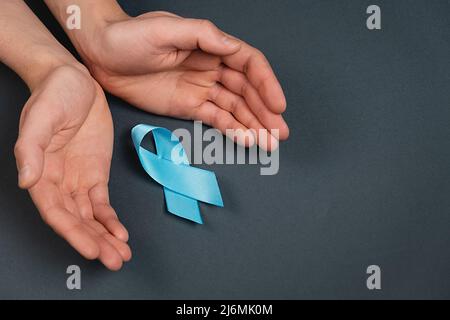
point(182, 206)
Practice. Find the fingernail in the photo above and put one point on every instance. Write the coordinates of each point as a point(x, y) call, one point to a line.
point(230, 42)
point(24, 173)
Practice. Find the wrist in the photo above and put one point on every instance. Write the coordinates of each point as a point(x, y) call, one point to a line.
point(95, 16)
point(45, 62)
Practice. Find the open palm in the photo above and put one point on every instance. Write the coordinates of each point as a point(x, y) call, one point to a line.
point(64, 152)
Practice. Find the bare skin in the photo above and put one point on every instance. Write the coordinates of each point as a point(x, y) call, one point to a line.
point(160, 62)
point(184, 68)
point(65, 139)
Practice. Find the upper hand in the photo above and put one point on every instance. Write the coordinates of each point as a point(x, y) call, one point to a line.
point(189, 69)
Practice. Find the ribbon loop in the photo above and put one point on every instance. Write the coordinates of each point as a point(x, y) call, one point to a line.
point(183, 185)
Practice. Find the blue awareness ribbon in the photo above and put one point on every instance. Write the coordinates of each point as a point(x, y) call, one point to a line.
point(183, 185)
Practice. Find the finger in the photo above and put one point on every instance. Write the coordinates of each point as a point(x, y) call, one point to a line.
point(201, 61)
point(84, 205)
point(236, 105)
point(35, 135)
point(191, 34)
point(70, 205)
point(105, 214)
point(49, 201)
point(224, 121)
point(121, 247)
point(154, 14)
point(255, 66)
point(237, 82)
point(108, 255)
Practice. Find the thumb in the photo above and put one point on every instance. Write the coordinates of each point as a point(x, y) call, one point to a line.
point(192, 34)
point(35, 134)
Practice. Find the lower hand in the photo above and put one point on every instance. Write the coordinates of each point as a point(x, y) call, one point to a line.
point(63, 155)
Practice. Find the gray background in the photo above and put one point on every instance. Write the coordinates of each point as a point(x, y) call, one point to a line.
point(364, 177)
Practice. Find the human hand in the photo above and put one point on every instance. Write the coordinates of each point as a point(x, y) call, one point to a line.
point(184, 68)
point(63, 156)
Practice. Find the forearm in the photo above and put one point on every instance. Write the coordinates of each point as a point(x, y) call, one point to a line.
point(94, 16)
point(26, 46)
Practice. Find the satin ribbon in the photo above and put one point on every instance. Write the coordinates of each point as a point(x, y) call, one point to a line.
point(183, 185)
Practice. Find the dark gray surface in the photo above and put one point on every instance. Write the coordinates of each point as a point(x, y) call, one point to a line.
point(364, 178)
